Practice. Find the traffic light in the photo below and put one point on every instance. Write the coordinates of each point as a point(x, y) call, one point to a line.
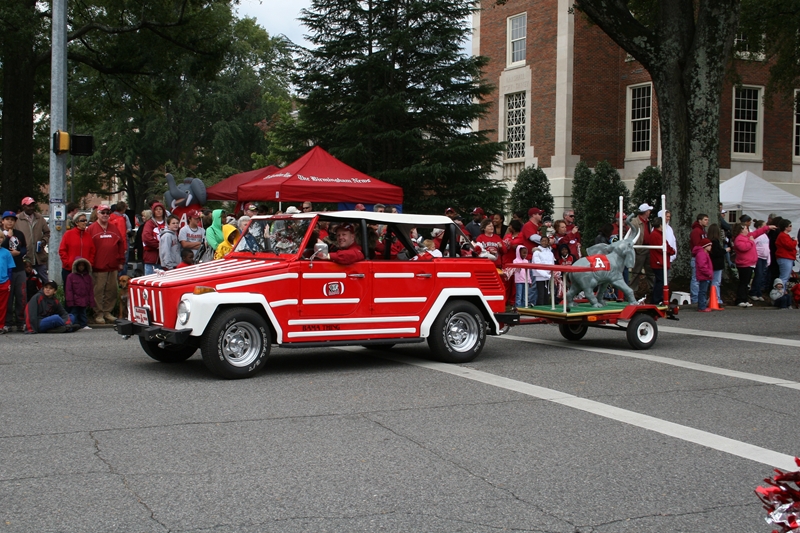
point(82, 145)
point(60, 142)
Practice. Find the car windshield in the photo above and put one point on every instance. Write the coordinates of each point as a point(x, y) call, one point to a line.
point(280, 237)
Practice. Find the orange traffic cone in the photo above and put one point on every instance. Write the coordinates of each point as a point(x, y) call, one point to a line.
point(712, 300)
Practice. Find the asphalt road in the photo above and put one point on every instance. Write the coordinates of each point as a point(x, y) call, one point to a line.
point(536, 435)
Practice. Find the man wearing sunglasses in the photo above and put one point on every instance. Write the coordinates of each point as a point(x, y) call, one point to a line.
point(109, 260)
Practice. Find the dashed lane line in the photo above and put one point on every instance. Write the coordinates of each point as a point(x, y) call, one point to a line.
point(768, 380)
point(678, 431)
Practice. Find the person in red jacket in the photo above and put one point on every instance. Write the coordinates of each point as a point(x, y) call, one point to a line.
point(109, 259)
point(785, 250)
point(150, 236)
point(705, 273)
point(698, 233)
point(347, 252)
point(121, 221)
point(656, 238)
point(75, 243)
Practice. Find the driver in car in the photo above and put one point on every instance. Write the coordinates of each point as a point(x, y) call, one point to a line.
point(347, 251)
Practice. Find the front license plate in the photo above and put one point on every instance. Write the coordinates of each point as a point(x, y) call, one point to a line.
point(140, 316)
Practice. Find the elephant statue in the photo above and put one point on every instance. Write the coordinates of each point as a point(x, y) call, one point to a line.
point(191, 192)
point(608, 260)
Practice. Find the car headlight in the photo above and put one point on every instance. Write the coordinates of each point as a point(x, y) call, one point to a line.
point(183, 311)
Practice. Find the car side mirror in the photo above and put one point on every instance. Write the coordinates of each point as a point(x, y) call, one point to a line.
point(320, 250)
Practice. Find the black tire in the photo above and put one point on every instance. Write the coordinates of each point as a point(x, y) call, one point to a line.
point(167, 353)
point(458, 334)
point(236, 343)
point(572, 332)
point(642, 331)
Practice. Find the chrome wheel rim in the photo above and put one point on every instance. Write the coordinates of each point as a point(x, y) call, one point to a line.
point(461, 333)
point(645, 332)
point(241, 344)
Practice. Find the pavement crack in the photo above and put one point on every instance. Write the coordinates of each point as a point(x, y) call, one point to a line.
point(125, 482)
point(671, 515)
point(463, 468)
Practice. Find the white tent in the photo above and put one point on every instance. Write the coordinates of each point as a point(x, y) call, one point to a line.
point(754, 196)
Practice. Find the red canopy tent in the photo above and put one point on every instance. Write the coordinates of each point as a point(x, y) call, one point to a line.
point(320, 177)
point(226, 189)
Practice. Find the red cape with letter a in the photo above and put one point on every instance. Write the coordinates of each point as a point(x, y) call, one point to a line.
point(320, 177)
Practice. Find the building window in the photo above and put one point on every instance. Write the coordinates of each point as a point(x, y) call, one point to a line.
point(639, 111)
point(515, 125)
point(747, 122)
point(517, 33)
point(796, 126)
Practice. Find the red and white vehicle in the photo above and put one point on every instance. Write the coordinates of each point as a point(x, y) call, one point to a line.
point(274, 289)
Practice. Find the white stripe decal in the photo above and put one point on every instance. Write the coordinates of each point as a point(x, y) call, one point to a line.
point(307, 321)
point(332, 301)
point(161, 306)
point(351, 332)
point(281, 303)
point(332, 275)
point(393, 275)
point(453, 274)
point(400, 300)
point(255, 281)
point(494, 298)
point(678, 431)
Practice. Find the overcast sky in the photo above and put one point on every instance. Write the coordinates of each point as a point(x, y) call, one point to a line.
point(277, 16)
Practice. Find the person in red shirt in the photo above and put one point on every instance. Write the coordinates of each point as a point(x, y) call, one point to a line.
point(75, 243)
point(530, 231)
point(347, 252)
point(491, 242)
point(698, 234)
point(656, 238)
point(785, 250)
point(109, 260)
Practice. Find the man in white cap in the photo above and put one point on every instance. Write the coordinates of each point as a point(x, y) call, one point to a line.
point(641, 269)
point(37, 235)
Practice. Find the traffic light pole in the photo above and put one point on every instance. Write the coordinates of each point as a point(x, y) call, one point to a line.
point(58, 121)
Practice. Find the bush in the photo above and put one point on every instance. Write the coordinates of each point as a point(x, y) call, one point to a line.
point(532, 189)
point(648, 188)
point(601, 200)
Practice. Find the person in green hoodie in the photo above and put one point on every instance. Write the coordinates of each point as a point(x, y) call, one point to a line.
point(214, 235)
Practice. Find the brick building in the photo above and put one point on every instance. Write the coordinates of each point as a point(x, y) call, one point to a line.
point(565, 92)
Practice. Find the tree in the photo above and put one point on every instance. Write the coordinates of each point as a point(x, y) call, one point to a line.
point(580, 183)
point(602, 198)
point(194, 123)
point(648, 188)
point(685, 46)
point(532, 189)
point(109, 36)
point(388, 89)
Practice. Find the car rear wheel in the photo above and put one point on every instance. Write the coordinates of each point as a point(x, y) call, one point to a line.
point(458, 334)
point(236, 343)
point(572, 332)
point(642, 331)
point(167, 353)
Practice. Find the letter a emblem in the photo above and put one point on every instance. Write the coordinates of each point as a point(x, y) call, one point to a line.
point(598, 263)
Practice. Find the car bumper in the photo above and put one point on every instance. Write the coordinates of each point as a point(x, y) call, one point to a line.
point(152, 333)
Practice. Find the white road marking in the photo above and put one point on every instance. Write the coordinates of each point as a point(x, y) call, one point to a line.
point(663, 360)
point(678, 431)
point(731, 336)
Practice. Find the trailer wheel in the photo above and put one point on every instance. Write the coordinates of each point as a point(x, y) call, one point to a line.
point(458, 334)
point(236, 344)
point(572, 332)
point(642, 331)
point(167, 353)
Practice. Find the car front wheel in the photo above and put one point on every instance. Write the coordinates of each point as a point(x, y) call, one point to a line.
point(458, 334)
point(236, 343)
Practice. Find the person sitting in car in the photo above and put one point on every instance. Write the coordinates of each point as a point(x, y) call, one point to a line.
point(346, 250)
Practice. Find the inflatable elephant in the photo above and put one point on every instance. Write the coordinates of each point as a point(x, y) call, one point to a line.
point(608, 260)
point(184, 197)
